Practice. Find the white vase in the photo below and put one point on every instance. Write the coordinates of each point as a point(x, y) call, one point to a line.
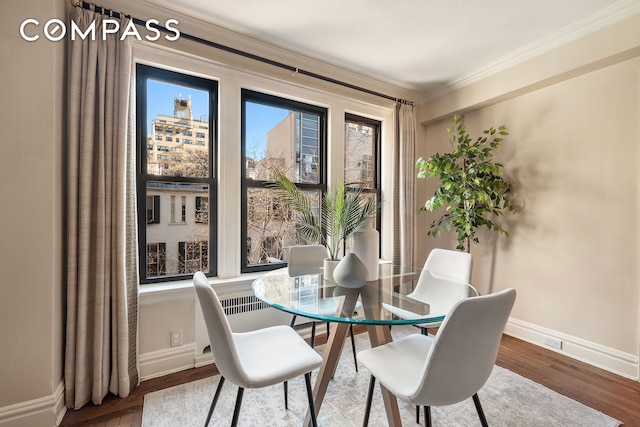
point(366, 245)
point(350, 272)
point(329, 266)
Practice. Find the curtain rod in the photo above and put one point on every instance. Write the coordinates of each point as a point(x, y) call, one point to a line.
point(293, 70)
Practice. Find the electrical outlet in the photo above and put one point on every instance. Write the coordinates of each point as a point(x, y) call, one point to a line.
point(176, 338)
point(552, 342)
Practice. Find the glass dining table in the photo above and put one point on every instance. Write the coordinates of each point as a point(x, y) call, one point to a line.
point(378, 304)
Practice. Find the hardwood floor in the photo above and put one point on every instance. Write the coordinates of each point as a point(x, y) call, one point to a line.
point(608, 393)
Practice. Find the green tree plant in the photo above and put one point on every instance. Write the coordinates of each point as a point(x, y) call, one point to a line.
point(343, 210)
point(472, 188)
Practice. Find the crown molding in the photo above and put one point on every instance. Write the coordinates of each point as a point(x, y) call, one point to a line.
point(608, 16)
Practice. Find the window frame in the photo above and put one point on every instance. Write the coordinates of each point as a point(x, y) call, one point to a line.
point(143, 74)
point(248, 95)
point(377, 176)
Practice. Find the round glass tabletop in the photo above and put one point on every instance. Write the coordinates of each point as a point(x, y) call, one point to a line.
point(401, 295)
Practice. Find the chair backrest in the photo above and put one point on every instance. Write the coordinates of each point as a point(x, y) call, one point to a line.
point(443, 264)
point(220, 335)
point(464, 350)
point(306, 259)
point(441, 293)
point(454, 264)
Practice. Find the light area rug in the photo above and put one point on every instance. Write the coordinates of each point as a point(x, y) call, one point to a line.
point(508, 399)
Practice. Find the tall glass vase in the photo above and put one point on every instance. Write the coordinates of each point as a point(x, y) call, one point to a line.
point(366, 245)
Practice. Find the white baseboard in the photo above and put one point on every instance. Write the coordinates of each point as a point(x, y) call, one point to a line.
point(166, 361)
point(43, 411)
point(204, 359)
point(607, 358)
point(170, 360)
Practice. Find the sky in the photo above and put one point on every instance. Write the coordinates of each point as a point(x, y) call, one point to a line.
point(260, 118)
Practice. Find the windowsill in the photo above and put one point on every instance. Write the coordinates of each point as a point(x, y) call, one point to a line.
point(156, 293)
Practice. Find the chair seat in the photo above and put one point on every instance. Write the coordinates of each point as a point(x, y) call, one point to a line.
point(398, 365)
point(272, 355)
point(327, 307)
point(410, 315)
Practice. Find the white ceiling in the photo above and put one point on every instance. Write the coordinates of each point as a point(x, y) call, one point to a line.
point(417, 44)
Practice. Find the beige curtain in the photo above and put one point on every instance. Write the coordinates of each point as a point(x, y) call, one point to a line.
point(102, 296)
point(404, 186)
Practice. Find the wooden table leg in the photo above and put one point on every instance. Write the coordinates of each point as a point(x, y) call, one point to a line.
point(331, 355)
point(378, 335)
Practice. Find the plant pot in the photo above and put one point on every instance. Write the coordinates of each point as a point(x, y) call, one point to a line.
point(329, 267)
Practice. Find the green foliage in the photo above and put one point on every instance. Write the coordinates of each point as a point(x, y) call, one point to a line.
point(343, 210)
point(471, 189)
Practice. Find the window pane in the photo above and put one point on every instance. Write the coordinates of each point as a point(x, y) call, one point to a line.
point(359, 159)
point(177, 228)
point(271, 226)
point(156, 259)
point(281, 138)
point(174, 110)
point(175, 122)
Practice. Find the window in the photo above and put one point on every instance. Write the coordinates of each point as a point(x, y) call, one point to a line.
point(361, 159)
point(174, 183)
point(361, 145)
point(156, 259)
point(193, 256)
point(202, 210)
point(290, 136)
point(153, 209)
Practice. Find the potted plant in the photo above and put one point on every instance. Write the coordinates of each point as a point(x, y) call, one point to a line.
point(471, 188)
point(343, 211)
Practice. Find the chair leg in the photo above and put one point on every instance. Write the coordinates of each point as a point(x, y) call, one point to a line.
point(293, 320)
point(427, 416)
point(286, 395)
point(328, 331)
point(312, 410)
point(367, 409)
point(313, 334)
point(417, 414)
point(483, 419)
point(353, 346)
point(215, 400)
point(236, 410)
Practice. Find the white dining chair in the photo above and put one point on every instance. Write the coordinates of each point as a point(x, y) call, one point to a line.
point(255, 359)
point(450, 264)
point(309, 259)
point(448, 368)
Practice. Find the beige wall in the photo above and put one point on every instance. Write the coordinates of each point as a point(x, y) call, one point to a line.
point(31, 247)
point(158, 320)
point(573, 155)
